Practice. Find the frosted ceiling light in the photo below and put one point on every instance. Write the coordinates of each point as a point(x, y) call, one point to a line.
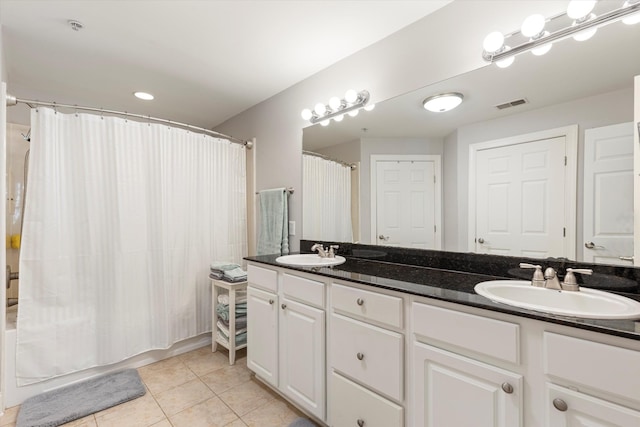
point(578, 9)
point(306, 114)
point(336, 109)
point(351, 96)
point(335, 103)
point(143, 95)
point(320, 109)
point(504, 63)
point(443, 102)
point(533, 25)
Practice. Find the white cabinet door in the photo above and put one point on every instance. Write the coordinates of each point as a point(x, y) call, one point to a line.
point(451, 390)
point(262, 334)
point(302, 355)
point(568, 408)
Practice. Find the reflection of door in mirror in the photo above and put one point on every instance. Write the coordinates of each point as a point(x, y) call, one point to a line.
point(406, 201)
point(608, 194)
point(327, 198)
point(520, 194)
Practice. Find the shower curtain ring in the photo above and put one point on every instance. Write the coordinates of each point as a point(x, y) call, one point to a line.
point(76, 109)
point(125, 117)
point(55, 108)
point(101, 114)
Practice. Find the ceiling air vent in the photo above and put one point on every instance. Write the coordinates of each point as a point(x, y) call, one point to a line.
point(511, 104)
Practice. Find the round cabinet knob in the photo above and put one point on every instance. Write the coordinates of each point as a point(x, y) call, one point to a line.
point(360, 356)
point(360, 422)
point(283, 306)
point(507, 388)
point(271, 301)
point(481, 240)
point(359, 301)
point(560, 404)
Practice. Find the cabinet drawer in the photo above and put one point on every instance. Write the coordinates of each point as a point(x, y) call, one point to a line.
point(262, 278)
point(368, 305)
point(305, 290)
point(354, 405)
point(491, 337)
point(371, 355)
point(604, 367)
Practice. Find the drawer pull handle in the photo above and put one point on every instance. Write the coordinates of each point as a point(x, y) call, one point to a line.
point(360, 422)
point(560, 404)
point(283, 306)
point(359, 301)
point(271, 301)
point(360, 356)
point(507, 388)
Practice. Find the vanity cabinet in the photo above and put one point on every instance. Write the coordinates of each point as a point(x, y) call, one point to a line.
point(367, 342)
point(589, 383)
point(286, 332)
point(451, 389)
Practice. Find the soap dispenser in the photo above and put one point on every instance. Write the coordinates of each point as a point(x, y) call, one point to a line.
point(538, 276)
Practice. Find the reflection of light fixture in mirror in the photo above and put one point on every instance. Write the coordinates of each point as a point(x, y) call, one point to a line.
point(442, 102)
point(504, 63)
point(336, 109)
point(578, 22)
point(143, 95)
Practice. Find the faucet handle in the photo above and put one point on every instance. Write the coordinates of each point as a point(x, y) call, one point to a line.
point(570, 283)
point(538, 277)
point(332, 250)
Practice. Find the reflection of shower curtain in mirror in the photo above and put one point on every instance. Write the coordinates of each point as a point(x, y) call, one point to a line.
point(326, 200)
point(123, 220)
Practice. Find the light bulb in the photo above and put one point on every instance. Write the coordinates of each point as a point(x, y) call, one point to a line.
point(585, 35)
point(335, 103)
point(493, 42)
point(320, 109)
point(370, 107)
point(339, 118)
point(351, 96)
point(504, 63)
point(631, 19)
point(578, 9)
point(533, 25)
point(539, 51)
point(306, 114)
point(353, 113)
point(325, 122)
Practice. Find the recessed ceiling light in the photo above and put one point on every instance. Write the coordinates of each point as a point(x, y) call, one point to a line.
point(143, 95)
point(442, 102)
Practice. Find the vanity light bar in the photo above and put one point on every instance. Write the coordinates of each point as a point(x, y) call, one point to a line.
point(578, 26)
point(337, 108)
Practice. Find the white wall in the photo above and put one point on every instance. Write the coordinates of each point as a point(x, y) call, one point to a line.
point(440, 46)
point(595, 111)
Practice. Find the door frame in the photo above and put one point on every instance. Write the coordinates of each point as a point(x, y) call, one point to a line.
point(570, 133)
point(437, 169)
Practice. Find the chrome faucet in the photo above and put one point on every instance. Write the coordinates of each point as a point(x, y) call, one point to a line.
point(322, 252)
point(550, 278)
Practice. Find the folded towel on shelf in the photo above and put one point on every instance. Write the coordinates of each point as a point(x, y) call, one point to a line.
point(235, 274)
point(241, 322)
point(223, 310)
point(241, 297)
point(240, 339)
point(225, 331)
point(223, 266)
point(216, 275)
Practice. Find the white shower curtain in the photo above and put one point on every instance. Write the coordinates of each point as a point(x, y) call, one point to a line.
point(326, 199)
point(122, 222)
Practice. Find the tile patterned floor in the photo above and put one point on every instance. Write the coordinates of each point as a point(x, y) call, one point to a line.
point(195, 389)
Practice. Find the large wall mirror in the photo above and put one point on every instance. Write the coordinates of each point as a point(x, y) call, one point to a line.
point(537, 161)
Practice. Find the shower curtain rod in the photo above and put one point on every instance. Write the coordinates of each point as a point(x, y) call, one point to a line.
point(12, 100)
point(322, 156)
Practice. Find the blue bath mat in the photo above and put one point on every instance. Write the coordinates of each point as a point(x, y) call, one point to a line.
point(75, 401)
point(302, 422)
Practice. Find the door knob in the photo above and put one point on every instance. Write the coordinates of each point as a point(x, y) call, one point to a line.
point(591, 245)
point(271, 301)
point(507, 388)
point(360, 356)
point(360, 422)
point(481, 240)
point(626, 258)
point(283, 306)
point(383, 237)
point(560, 404)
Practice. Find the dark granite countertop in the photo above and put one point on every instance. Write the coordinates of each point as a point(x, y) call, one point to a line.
point(451, 286)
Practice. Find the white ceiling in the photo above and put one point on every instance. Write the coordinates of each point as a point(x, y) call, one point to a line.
point(205, 61)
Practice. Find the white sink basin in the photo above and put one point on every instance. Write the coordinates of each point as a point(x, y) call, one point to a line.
point(586, 303)
point(309, 260)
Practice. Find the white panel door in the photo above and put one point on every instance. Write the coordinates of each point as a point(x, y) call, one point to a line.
point(520, 191)
point(262, 333)
point(608, 194)
point(302, 355)
point(405, 204)
point(452, 390)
